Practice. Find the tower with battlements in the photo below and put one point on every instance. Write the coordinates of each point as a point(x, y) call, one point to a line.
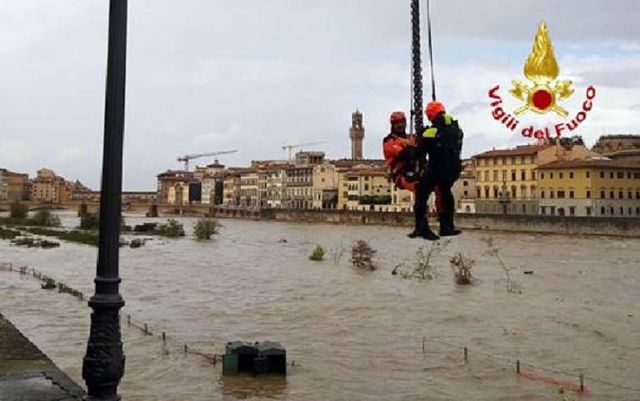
point(356, 133)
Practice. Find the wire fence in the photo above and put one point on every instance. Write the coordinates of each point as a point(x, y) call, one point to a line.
point(167, 341)
point(577, 379)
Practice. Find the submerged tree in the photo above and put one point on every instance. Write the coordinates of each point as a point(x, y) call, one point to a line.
point(44, 217)
point(461, 267)
point(317, 254)
point(173, 228)
point(18, 210)
point(205, 228)
point(362, 256)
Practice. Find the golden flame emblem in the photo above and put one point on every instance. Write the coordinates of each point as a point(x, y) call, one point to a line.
point(541, 68)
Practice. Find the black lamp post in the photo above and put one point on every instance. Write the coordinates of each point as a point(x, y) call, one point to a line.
point(103, 364)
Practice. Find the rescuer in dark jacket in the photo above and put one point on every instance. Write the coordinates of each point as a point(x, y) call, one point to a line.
point(442, 142)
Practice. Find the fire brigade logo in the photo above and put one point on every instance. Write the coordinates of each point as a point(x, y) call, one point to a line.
point(542, 70)
point(542, 94)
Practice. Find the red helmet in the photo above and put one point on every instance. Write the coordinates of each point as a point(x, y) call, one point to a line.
point(397, 116)
point(433, 109)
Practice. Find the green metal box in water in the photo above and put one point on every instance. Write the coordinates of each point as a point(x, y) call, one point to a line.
point(255, 358)
point(239, 357)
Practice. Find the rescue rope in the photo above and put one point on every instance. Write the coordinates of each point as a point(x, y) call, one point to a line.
point(433, 79)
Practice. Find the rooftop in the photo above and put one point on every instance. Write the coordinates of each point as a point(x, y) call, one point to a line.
point(523, 150)
point(590, 163)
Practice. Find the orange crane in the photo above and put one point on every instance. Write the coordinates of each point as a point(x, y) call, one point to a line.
point(186, 158)
point(285, 147)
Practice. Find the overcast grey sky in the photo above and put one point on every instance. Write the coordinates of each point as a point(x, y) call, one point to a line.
point(252, 75)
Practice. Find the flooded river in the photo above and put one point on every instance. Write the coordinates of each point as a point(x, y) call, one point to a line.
point(353, 335)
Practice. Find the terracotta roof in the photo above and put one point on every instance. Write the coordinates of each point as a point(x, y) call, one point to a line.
point(524, 150)
point(181, 173)
point(368, 172)
point(586, 163)
point(353, 162)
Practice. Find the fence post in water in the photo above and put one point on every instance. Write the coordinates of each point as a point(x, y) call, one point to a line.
point(146, 330)
point(518, 366)
point(424, 349)
point(185, 349)
point(466, 355)
point(581, 382)
point(129, 320)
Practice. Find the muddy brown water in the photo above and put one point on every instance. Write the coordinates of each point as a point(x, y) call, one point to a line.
point(353, 335)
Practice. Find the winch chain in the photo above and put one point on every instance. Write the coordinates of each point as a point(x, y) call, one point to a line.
point(416, 67)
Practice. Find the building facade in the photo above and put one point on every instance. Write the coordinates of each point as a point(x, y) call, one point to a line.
point(4, 193)
point(18, 186)
point(506, 179)
point(325, 186)
point(47, 187)
point(173, 186)
point(591, 187)
point(231, 188)
point(276, 187)
point(299, 187)
point(464, 189)
point(249, 193)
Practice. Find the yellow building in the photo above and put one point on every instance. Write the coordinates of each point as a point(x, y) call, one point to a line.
point(593, 187)
point(325, 186)
point(506, 179)
point(402, 200)
point(173, 187)
point(50, 188)
point(363, 187)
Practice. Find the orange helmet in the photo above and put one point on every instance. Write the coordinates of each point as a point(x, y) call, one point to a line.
point(433, 109)
point(397, 116)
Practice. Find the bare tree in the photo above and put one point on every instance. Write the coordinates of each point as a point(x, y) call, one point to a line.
point(423, 268)
point(337, 253)
point(513, 286)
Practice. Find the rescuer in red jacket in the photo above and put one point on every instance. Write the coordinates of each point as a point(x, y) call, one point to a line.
point(400, 157)
point(398, 149)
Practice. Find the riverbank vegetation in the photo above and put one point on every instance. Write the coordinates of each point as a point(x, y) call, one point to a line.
point(31, 242)
point(7, 233)
point(19, 216)
point(77, 236)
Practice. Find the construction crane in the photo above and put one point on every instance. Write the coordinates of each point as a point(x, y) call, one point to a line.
point(284, 147)
point(186, 158)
